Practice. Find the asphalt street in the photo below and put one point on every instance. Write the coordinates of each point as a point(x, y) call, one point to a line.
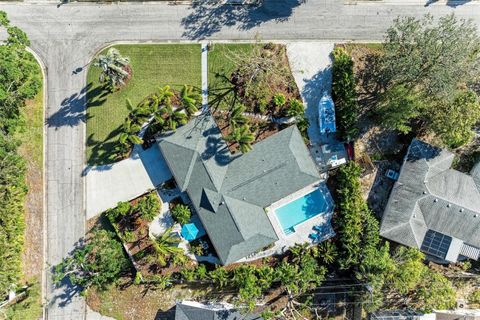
point(66, 37)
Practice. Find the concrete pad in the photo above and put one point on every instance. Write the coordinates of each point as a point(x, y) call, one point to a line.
point(311, 65)
point(125, 180)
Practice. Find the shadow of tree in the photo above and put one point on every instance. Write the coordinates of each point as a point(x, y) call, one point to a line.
point(67, 294)
point(456, 3)
point(450, 3)
point(208, 17)
point(312, 93)
point(102, 152)
point(165, 315)
point(72, 110)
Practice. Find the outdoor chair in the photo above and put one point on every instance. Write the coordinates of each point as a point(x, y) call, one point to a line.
point(314, 236)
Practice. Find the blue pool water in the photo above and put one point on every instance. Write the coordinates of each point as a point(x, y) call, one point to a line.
point(300, 210)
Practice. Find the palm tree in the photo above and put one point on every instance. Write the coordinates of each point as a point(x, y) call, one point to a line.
point(327, 252)
point(138, 114)
point(113, 66)
point(129, 132)
point(171, 118)
point(298, 251)
point(165, 95)
point(237, 118)
point(190, 99)
point(220, 277)
point(243, 136)
point(166, 245)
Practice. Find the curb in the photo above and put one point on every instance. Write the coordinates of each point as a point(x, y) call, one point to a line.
point(43, 279)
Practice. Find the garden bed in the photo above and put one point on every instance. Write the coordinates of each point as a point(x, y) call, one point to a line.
point(131, 223)
point(266, 90)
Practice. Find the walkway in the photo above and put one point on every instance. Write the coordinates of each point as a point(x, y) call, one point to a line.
point(124, 180)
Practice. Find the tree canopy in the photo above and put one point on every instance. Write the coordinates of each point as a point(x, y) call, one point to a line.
point(392, 277)
point(20, 76)
point(20, 79)
point(99, 261)
point(427, 69)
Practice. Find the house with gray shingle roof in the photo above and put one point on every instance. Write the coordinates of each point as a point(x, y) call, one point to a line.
point(192, 310)
point(230, 192)
point(434, 208)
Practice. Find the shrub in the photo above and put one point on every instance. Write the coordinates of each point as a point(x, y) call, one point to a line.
point(196, 249)
point(187, 274)
point(181, 213)
point(100, 261)
point(138, 278)
point(474, 297)
point(262, 106)
point(344, 95)
point(124, 208)
point(149, 206)
point(279, 99)
point(129, 236)
point(295, 108)
point(201, 272)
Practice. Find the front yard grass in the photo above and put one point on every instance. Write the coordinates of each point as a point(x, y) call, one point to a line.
point(153, 66)
point(219, 62)
point(31, 149)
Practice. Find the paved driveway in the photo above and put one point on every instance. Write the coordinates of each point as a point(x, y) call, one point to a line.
point(124, 180)
point(311, 65)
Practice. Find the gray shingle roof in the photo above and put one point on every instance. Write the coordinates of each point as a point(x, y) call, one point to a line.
point(430, 196)
point(230, 192)
point(186, 311)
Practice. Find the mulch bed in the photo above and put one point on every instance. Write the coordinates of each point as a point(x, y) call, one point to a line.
point(141, 249)
point(262, 129)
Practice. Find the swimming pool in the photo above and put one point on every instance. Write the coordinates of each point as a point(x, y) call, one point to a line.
point(300, 210)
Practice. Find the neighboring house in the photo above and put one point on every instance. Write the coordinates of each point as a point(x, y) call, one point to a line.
point(401, 315)
point(433, 207)
point(191, 310)
point(458, 314)
point(231, 193)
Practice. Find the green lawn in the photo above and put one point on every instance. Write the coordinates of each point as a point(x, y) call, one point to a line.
point(153, 66)
point(31, 149)
point(219, 61)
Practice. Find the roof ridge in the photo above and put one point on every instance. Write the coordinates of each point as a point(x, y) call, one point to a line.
point(449, 200)
point(396, 226)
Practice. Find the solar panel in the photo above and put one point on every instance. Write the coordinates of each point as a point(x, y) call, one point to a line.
point(436, 244)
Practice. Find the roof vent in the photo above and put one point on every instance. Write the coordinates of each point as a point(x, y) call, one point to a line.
point(244, 198)
point(461, 209)
point(475, 215)
point(424, 192)
point(448, 205)
point(222, 203)
point(435, 200)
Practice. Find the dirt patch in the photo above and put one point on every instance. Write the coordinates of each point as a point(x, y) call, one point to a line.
point(31, 150)
point(125, 301)
point(33, 254)
point(133, 230)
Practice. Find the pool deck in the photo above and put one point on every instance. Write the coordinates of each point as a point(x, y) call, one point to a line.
point(302, 230)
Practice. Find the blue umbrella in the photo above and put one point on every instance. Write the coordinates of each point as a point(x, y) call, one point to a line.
point(190, 231)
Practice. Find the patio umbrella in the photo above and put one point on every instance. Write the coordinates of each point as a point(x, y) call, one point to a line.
point(190, 231)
